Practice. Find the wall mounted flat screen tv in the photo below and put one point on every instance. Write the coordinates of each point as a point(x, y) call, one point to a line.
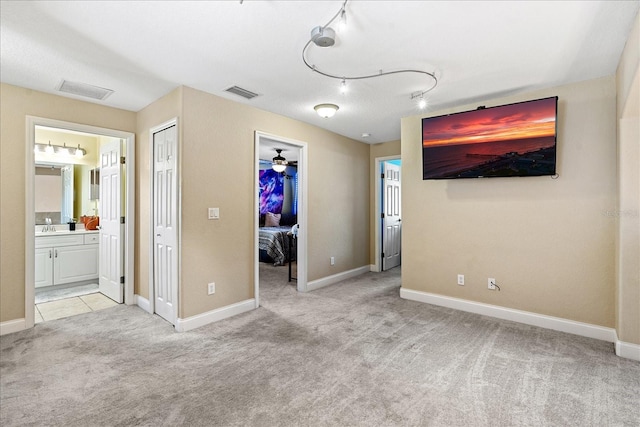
point(509, 140)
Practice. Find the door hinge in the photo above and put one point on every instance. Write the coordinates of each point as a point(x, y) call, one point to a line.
point(122, 160)
point(382, 175)
point(121, 220)
point(382, 254)
point(122, 280)
point(382, 215)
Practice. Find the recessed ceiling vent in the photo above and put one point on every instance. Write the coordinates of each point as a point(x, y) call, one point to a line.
point(83, 89)
point(236, 90)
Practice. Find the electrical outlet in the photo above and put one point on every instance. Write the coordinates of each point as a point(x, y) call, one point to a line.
point(211, 288)
point(461, 279)
point(491, 284)
point(333, 260)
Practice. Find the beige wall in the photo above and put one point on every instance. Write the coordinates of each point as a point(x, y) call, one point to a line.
point(15, 104)
point(155, 114)
point(628, 212)
point(548, 242)
point(217, 170)
point(386, 149)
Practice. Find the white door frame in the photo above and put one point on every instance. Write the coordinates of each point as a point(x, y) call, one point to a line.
point(152, 297)
point(377, 266)
point(303, 173)
point(30, 225)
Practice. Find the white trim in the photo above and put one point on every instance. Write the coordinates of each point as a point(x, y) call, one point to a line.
point(378, 210)
point(303, 173)
point(628, 350)
point(143, 303)
point(152, 132)
point(526, 317)
point(11, 326)
point(183, 325)
point(373, 268)
point(130, 138)
point(335, 278)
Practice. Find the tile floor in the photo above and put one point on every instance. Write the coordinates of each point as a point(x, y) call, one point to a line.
point(72, 306)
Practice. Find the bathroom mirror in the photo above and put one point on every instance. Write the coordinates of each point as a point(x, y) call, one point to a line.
point(62, 192)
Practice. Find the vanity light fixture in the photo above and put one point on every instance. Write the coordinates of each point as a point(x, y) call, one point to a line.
point(279, 163)
point(59, 150)
point(326, 110)
point(324, 36)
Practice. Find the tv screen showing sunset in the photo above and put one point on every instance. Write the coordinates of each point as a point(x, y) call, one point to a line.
point(510, 140)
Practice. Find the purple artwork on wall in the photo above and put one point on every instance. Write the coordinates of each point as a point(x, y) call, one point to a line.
point(271, 191)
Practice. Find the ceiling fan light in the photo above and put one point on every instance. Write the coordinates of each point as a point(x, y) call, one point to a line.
point(278, 167)
point(279, 163)
point(326, 110)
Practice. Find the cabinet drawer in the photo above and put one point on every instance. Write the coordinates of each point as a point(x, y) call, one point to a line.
point(91, 238)
point(63, 240)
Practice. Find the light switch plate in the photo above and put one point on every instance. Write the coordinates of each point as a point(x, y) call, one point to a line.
point(214, 213)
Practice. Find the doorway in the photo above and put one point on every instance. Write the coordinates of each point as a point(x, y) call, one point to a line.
point(83, 244)
point(296, 153)
point(388, 212)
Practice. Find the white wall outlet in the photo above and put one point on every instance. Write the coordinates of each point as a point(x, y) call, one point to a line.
point(214, 213)
point(211, 288)
point(491, 283)
point(332, 260)
point(461, 279)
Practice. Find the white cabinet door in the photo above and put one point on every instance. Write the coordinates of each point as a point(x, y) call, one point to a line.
point(44, 267)
point(75, 263)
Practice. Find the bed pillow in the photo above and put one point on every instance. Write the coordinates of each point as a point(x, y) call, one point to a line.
point(272, 220)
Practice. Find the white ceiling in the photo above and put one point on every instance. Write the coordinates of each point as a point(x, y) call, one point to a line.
point(477, 49)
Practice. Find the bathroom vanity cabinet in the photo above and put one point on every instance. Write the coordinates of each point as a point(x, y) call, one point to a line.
point(62, 259)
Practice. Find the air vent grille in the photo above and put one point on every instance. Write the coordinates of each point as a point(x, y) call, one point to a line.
point(83, 89)
point(236, 90)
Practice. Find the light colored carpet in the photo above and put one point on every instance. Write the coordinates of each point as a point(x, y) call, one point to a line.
point(352, 354)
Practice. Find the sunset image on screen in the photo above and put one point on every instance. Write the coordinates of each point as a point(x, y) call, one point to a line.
point(475, 143)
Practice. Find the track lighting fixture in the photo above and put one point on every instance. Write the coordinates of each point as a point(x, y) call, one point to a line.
point(422, 103)
point(343, 86)
point(325, 36)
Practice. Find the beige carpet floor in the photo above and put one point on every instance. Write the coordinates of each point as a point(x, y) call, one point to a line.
point(352, 354)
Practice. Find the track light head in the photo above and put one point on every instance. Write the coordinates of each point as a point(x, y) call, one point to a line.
point(323, 37)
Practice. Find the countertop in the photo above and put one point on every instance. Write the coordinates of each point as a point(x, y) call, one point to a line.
point(64, 232)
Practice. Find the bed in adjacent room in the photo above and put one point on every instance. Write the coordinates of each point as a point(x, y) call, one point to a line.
point(274, 245)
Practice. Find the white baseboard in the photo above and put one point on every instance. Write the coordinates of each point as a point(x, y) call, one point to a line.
point(374, 268)
point(183, 325)
point(628, 350)
point(335, 278)
point(526, 317)
point(11, 326)
point(143, 303)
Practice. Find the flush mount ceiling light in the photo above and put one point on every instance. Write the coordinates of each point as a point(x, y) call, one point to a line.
point(325, 36)
point(326, 110)
point(279, 163)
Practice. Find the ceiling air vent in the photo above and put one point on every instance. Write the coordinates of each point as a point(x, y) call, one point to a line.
point(83, 89)
point(247, 94)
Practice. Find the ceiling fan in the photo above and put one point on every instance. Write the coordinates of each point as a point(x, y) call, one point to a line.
point(279, 163)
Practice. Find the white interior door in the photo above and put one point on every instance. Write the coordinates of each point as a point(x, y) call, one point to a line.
point(111, 230)
point(392, 221)
point(165, 212)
